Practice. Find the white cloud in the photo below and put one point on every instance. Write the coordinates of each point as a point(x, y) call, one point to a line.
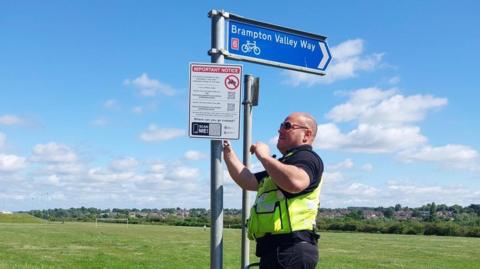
point(384, 126)
point(67, 168)
point(348, 60)
point(394, 80)
point(11, 196)
point(158, 168)
point(58, 196)
point(154, 133)
point(414, 194)
point(456, 156)
point(273, 141)
point(346, 164)
point(420, 190)
point(257, 166)
point(340, 190)
point(350, 189)
point(184, 172)
point(194, 155)
point(53, 152)
point(138, 110)
point(173, 179)
point(103, 175)
point(53, 180)
point(384, 119)
point(124, 182)
point(368, 139)
point(101, 122)
point(374, 106)
point(111, 104)
point(332, 177)
point(367, 167)
point(149, 107)
point(360, 101)
point(149, 87)
point(124, 164)
point(360, 190)
point(3, 138)
point(11, 163)
point(10, 120)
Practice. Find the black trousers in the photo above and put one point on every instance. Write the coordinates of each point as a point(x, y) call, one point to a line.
point(300, 255)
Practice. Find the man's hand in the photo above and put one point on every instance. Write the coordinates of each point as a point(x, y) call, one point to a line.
point(288, 177)
point(227, 149)
point(261, 150)
point(237, 170)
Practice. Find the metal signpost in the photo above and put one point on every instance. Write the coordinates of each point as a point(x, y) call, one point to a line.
point(257, 42)
point(250, 100)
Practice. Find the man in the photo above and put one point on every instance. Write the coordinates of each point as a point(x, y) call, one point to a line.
point(282, 219)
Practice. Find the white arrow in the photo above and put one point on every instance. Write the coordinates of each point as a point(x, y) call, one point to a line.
point(325, 57)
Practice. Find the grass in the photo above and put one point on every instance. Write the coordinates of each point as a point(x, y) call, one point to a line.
point(82, 245)
point(19, 218)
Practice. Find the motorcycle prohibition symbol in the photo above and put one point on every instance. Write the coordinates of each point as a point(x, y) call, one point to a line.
point(249, 46)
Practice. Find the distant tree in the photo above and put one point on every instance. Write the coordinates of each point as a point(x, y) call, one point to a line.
point(352, 226)
point(473, 232)
point(388, 212)
point(475, 208)
point(416, 213)
point(457, 209)
point(433, 212)
point(398, 207)
point(413, 227)
point(355, 214)
point(442, 207)
point(394, 228)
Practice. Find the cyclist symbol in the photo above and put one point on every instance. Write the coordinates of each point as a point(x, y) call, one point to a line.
point(249, 46)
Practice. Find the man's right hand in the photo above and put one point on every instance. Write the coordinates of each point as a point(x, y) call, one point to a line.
point(227, 149)
point(237, 170)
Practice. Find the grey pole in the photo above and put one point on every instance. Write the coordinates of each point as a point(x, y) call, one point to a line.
point(216, 173)
point(247, 141)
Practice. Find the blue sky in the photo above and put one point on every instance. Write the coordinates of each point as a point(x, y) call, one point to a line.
point(94, 101)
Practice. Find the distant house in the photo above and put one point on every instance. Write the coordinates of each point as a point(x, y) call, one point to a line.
point(6, 212)
point(372, 214)
point(403, 215)
point(446, 215)
point(424, 213)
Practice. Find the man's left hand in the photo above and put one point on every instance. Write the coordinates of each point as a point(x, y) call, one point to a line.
point(260, 149)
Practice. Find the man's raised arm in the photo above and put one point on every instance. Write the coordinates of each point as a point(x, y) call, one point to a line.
point(237, 170)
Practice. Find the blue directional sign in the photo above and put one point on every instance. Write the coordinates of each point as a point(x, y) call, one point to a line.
point(269, 44)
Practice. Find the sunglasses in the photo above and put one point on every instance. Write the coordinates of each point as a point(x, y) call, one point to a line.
point(289, 126)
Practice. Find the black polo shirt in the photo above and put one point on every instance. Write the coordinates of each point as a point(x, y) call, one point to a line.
point(305, 158)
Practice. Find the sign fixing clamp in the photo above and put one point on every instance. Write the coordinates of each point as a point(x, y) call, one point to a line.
point(214, 13)
point(214, 51)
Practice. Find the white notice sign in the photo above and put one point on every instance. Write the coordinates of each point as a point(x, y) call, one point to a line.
point(215, 91)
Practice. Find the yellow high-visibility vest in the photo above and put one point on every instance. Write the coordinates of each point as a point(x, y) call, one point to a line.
point(273, 213)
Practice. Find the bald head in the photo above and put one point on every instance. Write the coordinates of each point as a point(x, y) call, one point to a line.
point(301, 130)
point(307, 120)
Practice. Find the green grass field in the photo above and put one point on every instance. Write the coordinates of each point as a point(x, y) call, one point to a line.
point(82, 245)
point(19, 218)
